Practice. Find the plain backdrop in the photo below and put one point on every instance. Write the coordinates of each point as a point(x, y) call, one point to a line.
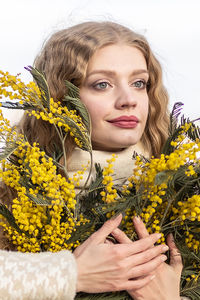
point(172, 27)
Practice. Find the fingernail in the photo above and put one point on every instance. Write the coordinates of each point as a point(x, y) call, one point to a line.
point(165, 248)
point(137, 219)
point(172, 237)
point(152, 277)
point(116, 217)
point(163, 258)
point(158, 235)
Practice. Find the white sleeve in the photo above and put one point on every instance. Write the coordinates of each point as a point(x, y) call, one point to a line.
point(37, 276)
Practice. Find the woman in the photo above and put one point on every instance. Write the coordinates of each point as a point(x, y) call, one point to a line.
point(120, 83)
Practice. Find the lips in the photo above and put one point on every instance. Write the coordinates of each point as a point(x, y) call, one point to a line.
point(125, 121)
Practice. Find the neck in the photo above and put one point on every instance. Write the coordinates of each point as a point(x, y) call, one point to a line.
point(123, 165)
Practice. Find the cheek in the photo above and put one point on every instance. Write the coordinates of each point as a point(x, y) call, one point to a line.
point(97, 110)
point(146, 112)
point(144, 109)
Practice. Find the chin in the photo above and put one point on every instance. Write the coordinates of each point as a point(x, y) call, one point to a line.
point(128, 143)
point(114, 144)
point(120, 146)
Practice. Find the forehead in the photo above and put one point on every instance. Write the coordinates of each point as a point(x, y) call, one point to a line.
point(117, 57)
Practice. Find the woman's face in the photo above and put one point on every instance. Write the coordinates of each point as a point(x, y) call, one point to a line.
point(114, 92)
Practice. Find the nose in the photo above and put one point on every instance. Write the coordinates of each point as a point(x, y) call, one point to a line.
point(125, 97)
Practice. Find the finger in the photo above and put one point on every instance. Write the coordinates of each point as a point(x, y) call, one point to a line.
point(120, 236)
point(175, 256)
point(146, 268)
point(145, 256)
point(108, 242)
point(137, 246)
point(140, 227)
point(134, 284)
point(100, 235)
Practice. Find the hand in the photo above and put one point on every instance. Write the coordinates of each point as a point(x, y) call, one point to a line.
point(109, 267)
point(165, 284)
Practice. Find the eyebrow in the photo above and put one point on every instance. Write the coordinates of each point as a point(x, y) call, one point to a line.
point(112, 73)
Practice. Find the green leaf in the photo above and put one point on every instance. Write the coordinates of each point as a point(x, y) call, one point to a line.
point(163, 177)
point(194, 131)
point(16, 105)
point(98, 179)
point(57, 153)
point(72, 100)
point(73, 90)
point(8, 150)
point(142, 157)
point(176, 111)
point(174, 129)
point(40, 200)
point(75, 103)
point(42, 84)
point(168, 148)
point(82, 135)
point(107, 296)
point(4, 211)
point(191, 290)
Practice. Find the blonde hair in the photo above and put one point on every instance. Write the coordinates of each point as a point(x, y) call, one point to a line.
point(65, 56)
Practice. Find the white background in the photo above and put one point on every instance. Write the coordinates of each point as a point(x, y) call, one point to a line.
point(171, 26)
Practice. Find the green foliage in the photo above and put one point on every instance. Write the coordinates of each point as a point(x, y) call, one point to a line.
point(108, 296)
point(40, 199)
point(193, 132)
point(176, 111)
point(175, 128)
point(191, 290)
point(90, 203)
point(16, 105)
point(73, 101)
point(42, 84)
point(6, 151)
point(4, 211)
point(79, 133)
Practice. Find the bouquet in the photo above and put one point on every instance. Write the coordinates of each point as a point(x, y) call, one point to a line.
point(48, 214)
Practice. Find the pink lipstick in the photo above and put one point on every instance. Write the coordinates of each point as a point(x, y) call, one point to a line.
point(125, 121)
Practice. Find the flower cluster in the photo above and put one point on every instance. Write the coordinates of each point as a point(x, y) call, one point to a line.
point(109, 194)
point(44, 210)
point(37, 101)
point(162, 198)
point(47, 226)
point(13, 88)
point(48, 214)
point(57, 115)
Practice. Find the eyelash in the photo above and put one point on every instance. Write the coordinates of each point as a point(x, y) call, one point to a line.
point(97, 84)
point(144, 85)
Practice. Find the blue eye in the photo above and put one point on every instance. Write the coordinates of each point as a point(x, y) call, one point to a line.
point(101, 85)
point(140, 84)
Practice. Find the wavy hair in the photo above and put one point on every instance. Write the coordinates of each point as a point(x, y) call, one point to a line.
point(65, 56)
